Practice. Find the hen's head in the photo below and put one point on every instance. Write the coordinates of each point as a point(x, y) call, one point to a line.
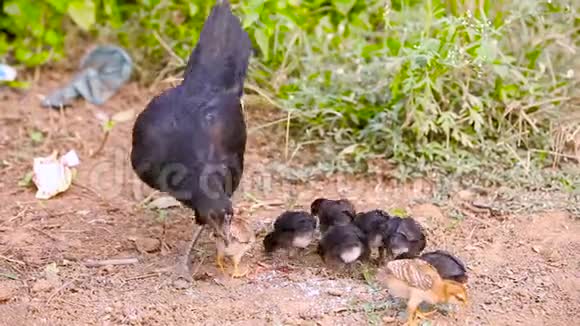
point(217, 213)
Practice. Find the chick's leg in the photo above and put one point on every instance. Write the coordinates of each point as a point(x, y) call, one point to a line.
point(412, 306)
point(219, 257)
point(425, 315)
point(236, 261)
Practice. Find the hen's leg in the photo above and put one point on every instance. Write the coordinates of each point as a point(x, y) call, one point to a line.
point(183, 268)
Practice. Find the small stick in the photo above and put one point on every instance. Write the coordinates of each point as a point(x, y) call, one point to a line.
point(45, 234)
point(59, 289)
point(102, 144)
point(107, 262)
point(141, 277)
point(12, 260)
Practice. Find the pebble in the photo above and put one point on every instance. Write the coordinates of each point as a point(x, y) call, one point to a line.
point(42, 286)
point(147, 244)
point(6, 293)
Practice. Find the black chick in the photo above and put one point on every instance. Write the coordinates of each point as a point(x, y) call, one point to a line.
point(404, 238)
point(375, 225)
point(332, 212)
point(343, 245)
point(190, 140)
point(448, 266)
point(292, 229)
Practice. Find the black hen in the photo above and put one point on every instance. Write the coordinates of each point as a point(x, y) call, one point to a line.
point(293, 229)
point(343, 245)
point(374, 224)
point(448, 266)
point(404, 238)
point(332, 212)
point(190, 140)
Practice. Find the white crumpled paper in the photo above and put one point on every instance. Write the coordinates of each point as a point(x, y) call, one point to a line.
point(53, 176)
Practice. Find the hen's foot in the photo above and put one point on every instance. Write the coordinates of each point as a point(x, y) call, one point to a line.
point(182, 275)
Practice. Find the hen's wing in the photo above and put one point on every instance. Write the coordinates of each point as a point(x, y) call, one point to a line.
point(415, 272)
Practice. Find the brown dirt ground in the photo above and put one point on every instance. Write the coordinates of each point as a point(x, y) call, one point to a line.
point(524, 270)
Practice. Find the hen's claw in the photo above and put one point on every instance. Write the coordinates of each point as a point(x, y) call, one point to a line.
point(183, 277)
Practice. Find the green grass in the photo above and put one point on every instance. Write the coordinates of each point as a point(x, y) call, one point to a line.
point(482, 90)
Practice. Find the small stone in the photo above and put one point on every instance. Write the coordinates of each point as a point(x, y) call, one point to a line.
point(470, 248)
point(147, 244)
point(42, 286)
point(536, 249)
point(466, 195)
point(334, 293)
point(6, 294)
point(389, 319)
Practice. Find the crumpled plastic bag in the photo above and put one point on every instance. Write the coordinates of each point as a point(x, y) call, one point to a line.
point(103, 71)
point(53, 176)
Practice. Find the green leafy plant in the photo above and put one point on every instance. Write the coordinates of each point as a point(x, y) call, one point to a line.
point(466, 88)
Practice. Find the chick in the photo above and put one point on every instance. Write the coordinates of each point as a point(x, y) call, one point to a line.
point(292, 229)
point(417, 281)
point(447, 265)
point(404, 238)
point(374, 225)
point(332, 212)
point(343, 245)
point(240, 238)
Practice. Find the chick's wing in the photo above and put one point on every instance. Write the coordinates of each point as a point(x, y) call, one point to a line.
point(242, 231)
point(417, 273)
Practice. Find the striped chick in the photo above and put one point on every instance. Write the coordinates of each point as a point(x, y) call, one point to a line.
point(417, 281)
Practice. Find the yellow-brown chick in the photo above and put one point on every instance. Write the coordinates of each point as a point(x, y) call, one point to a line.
point(241, 237)
point(418, 281)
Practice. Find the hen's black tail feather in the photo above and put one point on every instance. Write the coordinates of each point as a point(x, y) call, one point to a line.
point(220, 59)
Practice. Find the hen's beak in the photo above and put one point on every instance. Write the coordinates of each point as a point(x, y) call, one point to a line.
point(221, 232)
point(226, 235)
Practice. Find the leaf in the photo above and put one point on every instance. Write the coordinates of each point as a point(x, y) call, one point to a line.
point(36, 136)
point(349, 149)
point(59, 5)
point(193, 9)
point(51, 269)
point(12, 9)
point(109, 125)
point(344, 6)
point(124, 116)
point(26, 180)
point(263, 42)
point(82, 13)
point(164, 203)
point(161, 216)
point(488, 50)
point(401, 212)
